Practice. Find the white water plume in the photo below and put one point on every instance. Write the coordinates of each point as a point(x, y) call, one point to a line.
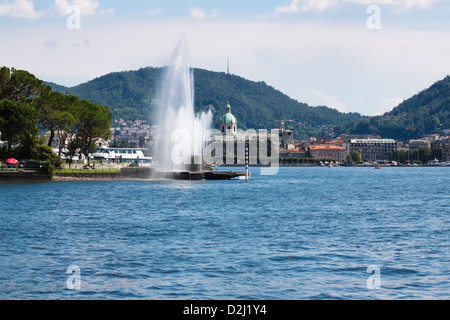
point(182, 133)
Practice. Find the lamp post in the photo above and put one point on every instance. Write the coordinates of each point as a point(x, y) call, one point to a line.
point(246, 164)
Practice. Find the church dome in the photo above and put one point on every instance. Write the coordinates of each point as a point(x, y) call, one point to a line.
point(229, 117)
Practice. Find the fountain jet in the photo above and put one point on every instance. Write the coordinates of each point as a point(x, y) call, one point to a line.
point(182, 133)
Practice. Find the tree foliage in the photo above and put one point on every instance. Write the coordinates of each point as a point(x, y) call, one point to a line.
point(18, 124)
point(356, 157)
point(26, 105)
point(422, 155)
point(18, 85)
point(425, 113)
point(50, 160)
point(93, 121)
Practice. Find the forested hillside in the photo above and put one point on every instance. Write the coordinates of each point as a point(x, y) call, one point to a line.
point(258, 105)
point(255, 104)
point(425, 113)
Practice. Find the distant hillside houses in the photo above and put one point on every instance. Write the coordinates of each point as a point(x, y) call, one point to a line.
point(371, 148)
point(131, 133)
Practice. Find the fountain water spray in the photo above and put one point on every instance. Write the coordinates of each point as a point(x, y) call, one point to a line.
point(182, 133)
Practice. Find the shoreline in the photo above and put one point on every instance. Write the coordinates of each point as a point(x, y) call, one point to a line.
point(335, 166)
point(140, 175)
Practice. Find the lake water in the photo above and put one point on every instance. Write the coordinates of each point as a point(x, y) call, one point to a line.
point(305, 233)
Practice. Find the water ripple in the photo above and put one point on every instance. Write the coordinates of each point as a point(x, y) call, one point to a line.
point(306, 233)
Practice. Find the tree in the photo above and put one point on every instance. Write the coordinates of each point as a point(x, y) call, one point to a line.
point(18, 85)
point(421, 155)
point(93, 121)
point(5, 76)
point(47, 104)
point(356, 157)
point(65, 120)
point(57, 114)
point(26, 102)
point(17, 117)
point(72, 148)
point(18, 124)
point(349, 158)
point(49, 159)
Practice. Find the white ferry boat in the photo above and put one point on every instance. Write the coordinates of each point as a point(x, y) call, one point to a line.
point(434, 162)
point(123, 155)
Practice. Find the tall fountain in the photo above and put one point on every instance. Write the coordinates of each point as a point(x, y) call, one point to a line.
point(182, 134)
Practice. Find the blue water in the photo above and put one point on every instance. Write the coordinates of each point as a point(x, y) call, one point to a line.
point(305, 233)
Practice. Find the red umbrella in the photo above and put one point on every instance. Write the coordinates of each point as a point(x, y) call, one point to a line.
point(12, 161)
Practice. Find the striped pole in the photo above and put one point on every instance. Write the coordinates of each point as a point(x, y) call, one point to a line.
point(246, 163)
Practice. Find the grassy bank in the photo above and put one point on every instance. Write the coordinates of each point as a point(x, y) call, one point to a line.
point(86, 171)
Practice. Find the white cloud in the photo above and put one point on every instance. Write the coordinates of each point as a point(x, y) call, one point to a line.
point(87, 7)
point(407, 4)
point(200, 14)
point(344, 61)
point(290, 8)
point(106, 11)
point(331, 101)
point(20, 9)
point(197, 13)
point(321, 5)
point(25, 8)
point(155, 12)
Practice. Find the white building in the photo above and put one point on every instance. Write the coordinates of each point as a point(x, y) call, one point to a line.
point(372, 149)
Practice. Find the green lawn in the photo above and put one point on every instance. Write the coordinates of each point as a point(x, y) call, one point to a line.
point(16, 171)
point(81, 171)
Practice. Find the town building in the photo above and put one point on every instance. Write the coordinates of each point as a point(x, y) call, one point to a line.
point(298, 150)
point(372, 149)
point(286, 138)
point(442, 147)
point(328, 151)
point(417, 144)
point(340, 143)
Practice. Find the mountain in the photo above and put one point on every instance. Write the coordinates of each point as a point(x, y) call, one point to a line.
point(128, 94)
point(255, 104)
point(425, 113)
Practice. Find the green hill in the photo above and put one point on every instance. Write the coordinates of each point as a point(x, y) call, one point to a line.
point(255, 104)
point(128, 94)
point(425, 113)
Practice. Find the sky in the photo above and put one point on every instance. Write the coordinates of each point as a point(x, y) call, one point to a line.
point(362, 56)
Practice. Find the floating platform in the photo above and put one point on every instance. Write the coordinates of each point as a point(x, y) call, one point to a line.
point(143, 174)
point(206, 175)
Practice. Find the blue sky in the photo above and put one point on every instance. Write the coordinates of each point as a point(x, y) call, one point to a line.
point(322, 52)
